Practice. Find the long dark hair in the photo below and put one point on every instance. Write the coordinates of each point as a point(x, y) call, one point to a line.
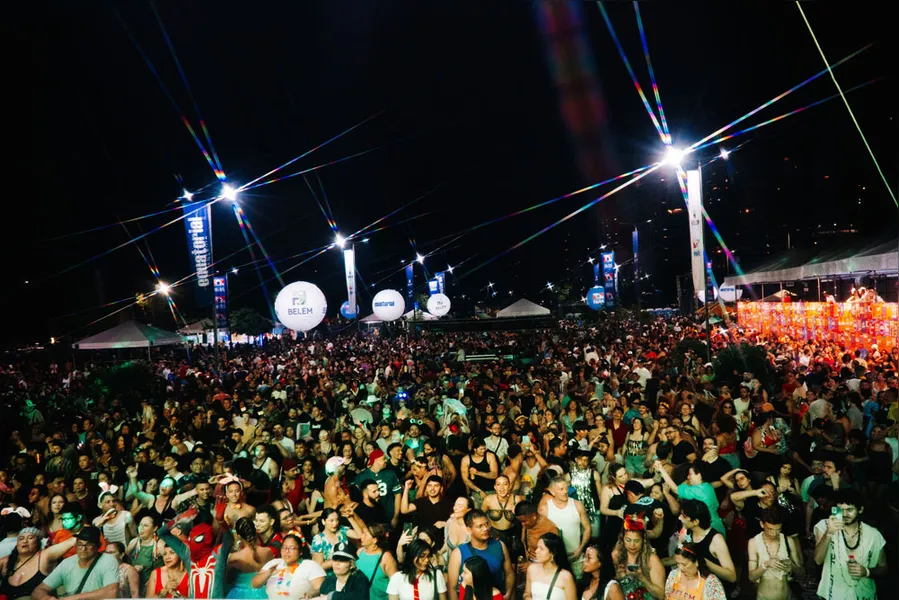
point(415, 549)
point(481, 580)
point(556, 547)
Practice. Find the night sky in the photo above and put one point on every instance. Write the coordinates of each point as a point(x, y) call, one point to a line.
point(469, 109)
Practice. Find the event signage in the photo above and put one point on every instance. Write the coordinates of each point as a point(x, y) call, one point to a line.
point(608, 276)
point(433, 287)
point(349, 266)
point(697, 249)
point(596, 297)
point(438, 305)
point(595, 274)
point(410, 284)
point(199, 246)
point(441, 283)
point(388, 305)
point(635, 242)
point(220, 294)
point(301, 306)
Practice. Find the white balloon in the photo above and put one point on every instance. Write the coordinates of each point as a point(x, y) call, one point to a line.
point(438, 305)
point(301, 306)
point(388, 305)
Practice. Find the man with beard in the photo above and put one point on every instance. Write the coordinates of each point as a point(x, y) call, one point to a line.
point(851, 552)
point(431, 508)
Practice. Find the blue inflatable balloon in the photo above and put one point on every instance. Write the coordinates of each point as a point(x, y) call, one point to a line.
point(345, 310)
point(596, 298)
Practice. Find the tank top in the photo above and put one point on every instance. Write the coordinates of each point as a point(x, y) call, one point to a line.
point(146, 557)
point(703, 547)
point(540, 590)
point(26, 588)
point(370, 565)
point(528, 478)
point(494, 557)
point(568, 521)
point(681, 594)
point(481, 482)
point(183, 586)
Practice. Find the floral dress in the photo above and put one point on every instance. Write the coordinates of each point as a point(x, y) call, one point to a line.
point(320, 543)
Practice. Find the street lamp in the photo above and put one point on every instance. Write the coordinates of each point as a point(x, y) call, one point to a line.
point(724, 154)
point(449, 269)
point(187, 195)
point(674, 156)
point(420, 259)
point(234, 271)
point(163, 288)
point(340, 240)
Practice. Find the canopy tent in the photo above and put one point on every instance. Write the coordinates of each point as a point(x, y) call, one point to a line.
point(198, 328)
point(423, 316)
point(129, 335)
point(522, 308)
point(797, 265)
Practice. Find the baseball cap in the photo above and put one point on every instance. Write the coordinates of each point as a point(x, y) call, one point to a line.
point(767, 407)
point(375, 455)
point(334, 463)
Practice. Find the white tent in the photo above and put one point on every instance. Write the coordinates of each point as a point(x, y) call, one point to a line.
point(129, 335)
point(423, 316)
point(372, 318)
point(198, 328)
point(522, 308)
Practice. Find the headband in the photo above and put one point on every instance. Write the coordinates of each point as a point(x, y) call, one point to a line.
point(31, 531)
point(21, 511)
point(230, 478)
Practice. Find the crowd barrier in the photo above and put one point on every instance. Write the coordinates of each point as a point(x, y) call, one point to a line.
point(855, 325)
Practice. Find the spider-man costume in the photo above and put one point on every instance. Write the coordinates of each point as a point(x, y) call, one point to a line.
point(204, 562)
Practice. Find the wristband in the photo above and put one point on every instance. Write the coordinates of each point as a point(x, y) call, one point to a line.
point(867, 572)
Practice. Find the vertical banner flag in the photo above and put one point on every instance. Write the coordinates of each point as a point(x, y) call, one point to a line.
point(220, 292)
point(694, 212)
point(349, 266)
point(433, 287)
point(608, 276)
point(441, 283)
point(410, 286)
point(595, 274)
point(635, 240)
point(199, 246)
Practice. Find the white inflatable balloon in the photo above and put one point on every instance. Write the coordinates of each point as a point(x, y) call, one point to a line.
point(438, 305)
point(388, 305)
point(301, 306)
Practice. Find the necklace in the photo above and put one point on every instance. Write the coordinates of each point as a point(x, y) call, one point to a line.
point(858, 539)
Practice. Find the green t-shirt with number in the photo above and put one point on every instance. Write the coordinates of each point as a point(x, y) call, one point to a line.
point(388, 485)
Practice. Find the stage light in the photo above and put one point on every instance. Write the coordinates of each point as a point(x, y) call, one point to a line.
point(591, 260)
point(674, 156)
point(234, 271)
point(449, 269)
point(490, 284)
point(549, 286)
point(365, 240)
point(229, 193)
point(163, 288)
point(420, 259)
point(724, 154)
point(340, 240)
point(187, 195)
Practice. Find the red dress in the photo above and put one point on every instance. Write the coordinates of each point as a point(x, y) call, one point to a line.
point(183, 587)
point(463, 589)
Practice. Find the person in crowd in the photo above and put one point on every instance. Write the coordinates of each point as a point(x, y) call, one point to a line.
point(129, 580)
point(146, 551)
point(91, 572)
point(690, 580)
point(247, 560)
point(389, 487)
point(28, 563)
point(697, 529)
point(293, 575)
point(774, 559)
point(375, 560)
point(570, 517)
point(345, 582)
point(332, 534)
point(695, 488)
point(500, 509)
point(476, 583)
point(433, 508)
point(479, 470)
point(590, 586)
point(204, 560)
point(493, 551)
point(550, 576)
point(850, 552)
point(416, 578)
point(170, 580)
point(637, 568)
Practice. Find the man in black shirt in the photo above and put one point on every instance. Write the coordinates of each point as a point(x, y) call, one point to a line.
point(370, 510)
point(715, 466)
point(432, 509)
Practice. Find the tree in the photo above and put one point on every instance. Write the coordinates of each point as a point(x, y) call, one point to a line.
point(249, 322)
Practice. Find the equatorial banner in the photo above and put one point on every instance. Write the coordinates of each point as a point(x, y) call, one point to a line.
point(199, 247)
point(697, 249)
point(608, 277)
point(410, 284)
point(349, 266)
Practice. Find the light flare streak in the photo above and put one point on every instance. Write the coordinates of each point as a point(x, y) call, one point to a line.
point(666, 138)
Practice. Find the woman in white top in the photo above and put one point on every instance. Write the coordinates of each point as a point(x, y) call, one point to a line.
point(117, 523)
point(591, 587)
point(290, 577)
point(416, 579)
point(550, 575)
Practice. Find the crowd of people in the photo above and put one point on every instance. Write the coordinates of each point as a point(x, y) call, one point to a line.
point(605, 461)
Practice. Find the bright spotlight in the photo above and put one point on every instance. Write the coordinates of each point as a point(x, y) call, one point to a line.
point(187, 195)
point(591, 260)
point(724, 154)
point(674, 156)
point(549, 286)
point(163, 288)
point(420, 259)
point(490, 284)
point(340, 240)
point(365, 240)
point(229, 193)
point(234, 271)
point(449, 269)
